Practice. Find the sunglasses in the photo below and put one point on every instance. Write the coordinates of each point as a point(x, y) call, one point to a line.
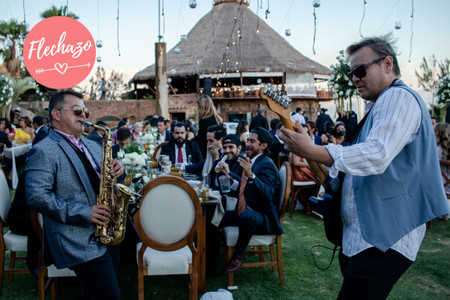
point(360, 71)
point(78, 110)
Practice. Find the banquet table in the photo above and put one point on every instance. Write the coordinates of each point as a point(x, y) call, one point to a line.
point(12, 153)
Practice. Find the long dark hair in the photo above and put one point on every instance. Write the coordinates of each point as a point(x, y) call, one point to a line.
point(240, 129)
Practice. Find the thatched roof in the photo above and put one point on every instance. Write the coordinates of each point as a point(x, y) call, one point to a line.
point(206, 44)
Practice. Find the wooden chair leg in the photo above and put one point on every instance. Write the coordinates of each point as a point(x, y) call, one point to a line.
point(2, 265)
point(230, 255)
point(280, 261)
point(12, 263)
point(272, 257)
point(41, 284)
point(140, 282)
point(292, 202)
point(261, 253)
point(53, 287)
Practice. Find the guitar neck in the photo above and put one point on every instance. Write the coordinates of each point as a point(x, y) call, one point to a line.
point(318, 169)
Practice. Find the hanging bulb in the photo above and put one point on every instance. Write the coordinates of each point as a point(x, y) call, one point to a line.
point(398, 25)
point(288, 32)
point(99, 43)
point(99, 58)
point(192, 3)
point(316, 3)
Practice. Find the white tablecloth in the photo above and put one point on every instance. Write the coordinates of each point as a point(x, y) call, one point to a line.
point(12, 153)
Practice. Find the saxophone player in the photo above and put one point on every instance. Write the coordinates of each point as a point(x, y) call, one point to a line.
point(62, 176)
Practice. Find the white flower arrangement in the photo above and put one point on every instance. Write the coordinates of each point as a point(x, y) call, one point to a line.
point(134, 160)
point(443, 91)
point(6, 91)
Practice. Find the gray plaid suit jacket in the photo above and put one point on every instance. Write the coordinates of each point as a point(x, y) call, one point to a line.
point(58, 186)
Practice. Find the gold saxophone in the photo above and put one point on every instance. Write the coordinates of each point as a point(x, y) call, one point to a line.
point(113, 232)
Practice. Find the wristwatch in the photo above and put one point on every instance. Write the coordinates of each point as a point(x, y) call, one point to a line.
point(252, 177)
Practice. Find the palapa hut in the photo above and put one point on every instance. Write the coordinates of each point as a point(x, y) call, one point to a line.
point(230, 53)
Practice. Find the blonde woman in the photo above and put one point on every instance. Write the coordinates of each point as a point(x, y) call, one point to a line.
point(207, 116)
point(24, 134)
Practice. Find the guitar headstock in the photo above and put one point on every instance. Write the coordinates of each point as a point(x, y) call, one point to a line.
point(278, 102)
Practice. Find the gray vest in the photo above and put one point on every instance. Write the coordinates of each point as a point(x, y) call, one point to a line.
point(408, 194)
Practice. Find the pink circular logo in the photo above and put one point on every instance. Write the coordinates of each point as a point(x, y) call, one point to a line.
point(59, 52)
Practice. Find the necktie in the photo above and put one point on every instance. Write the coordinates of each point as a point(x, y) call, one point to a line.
point(180, 156)
point(241, 201)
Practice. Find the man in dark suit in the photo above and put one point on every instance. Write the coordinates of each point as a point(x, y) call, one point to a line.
point(63, 187)
point(163, 133)
point(256, 211)
point(179, 149)
point(40, 130)
point(97, 134)
point(259, 120)
point(123, 140)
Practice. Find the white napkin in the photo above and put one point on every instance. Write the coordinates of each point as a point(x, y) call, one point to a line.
point(219, 212)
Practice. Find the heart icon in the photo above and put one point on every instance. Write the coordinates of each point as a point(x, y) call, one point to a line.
point(61, 68)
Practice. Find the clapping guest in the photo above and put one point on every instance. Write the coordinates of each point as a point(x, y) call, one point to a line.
point(24, 134)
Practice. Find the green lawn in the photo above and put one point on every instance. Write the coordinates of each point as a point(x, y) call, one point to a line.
point(428, 278)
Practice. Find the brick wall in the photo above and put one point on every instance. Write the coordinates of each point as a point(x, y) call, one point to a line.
point(185, 104)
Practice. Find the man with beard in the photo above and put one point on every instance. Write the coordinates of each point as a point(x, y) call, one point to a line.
point(214, 153)
point(179, 149)
point(258, 196)
point(231, 145)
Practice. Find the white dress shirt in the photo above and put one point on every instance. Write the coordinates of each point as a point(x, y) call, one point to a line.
point(299, 117)
point(396, 122)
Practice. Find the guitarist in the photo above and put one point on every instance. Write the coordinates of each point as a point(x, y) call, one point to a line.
point(392, 184)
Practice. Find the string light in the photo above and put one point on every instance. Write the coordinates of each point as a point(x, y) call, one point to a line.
point(118, 44)
point(316, 4)
point(412, 31)
point(362, 19)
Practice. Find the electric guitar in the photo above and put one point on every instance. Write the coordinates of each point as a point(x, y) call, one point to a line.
point(279, 103)
point(328, 206)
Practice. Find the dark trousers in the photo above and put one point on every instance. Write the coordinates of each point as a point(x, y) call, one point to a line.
point(371, 274)
point(250, 222)
point(99, 275)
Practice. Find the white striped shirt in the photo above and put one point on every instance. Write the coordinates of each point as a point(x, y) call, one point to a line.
point(396, 122)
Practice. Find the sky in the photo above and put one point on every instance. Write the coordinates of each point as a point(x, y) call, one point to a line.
point(338, 25)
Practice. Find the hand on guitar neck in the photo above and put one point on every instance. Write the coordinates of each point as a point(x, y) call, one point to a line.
point(294, 136)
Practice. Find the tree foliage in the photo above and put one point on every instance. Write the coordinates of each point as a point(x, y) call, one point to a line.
point(113, 87)
point(58, 11)
point(342, 86)
point(12, 37)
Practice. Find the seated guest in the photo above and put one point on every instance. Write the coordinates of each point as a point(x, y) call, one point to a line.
point(123, 139)
point(257, 208)
point(273, 126)
point(339, 133)
point(163, 133)
point(40, 130)
point(24, 134)
point(189, 132)
point(313, 132)
point(179, 149)
point(167, 124)
point(137, 131)
point(6, 127)
point(155, 119)
point(214, 135)
point(96, 135)
point(231, 167)
point(242, 132)
point(276, 147)
point(6, 162)
point(147, 128)
point(114, 135)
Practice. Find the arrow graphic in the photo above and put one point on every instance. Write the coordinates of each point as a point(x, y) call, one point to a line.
point(61, 68)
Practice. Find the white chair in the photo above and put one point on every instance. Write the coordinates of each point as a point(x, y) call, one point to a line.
point(168, 223)
point(9, 242)
point(50, 272)
point(258, 241)
point(306, 187)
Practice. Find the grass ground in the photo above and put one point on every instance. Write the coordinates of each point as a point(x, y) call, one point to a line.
point(428, 278)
